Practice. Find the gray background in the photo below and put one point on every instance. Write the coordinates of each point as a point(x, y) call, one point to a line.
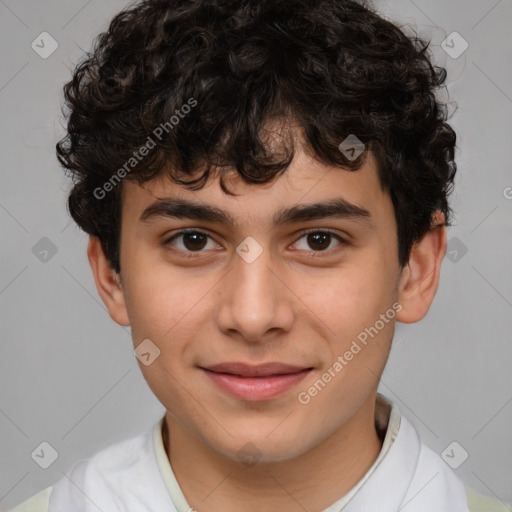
point(67, 371)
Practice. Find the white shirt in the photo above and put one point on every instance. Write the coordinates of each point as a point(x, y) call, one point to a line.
point(135, 475)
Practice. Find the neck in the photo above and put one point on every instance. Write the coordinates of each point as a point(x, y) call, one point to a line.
point(313, 480)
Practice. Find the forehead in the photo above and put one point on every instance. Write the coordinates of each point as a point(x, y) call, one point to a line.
point(306, 181)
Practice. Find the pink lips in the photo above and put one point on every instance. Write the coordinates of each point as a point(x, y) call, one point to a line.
point(255, 382)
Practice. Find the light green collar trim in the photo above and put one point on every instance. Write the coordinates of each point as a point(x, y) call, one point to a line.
point(166, 471)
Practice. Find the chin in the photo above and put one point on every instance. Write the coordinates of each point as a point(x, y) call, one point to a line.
point(260, 447)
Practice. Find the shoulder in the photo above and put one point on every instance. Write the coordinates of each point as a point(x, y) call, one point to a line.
point(119, 477)
point(36, 503)
point(115, 463)
point(476, 502)
point(479, 503)
point(111, 466)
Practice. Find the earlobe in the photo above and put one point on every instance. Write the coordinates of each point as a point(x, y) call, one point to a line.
point(420, 277)
point(108, 282)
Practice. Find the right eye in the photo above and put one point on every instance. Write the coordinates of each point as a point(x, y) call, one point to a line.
point(190, 241)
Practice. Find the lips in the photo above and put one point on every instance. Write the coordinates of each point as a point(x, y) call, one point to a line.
point(261, 370)
point(255, 382)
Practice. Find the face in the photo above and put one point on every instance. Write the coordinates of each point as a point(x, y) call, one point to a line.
point(258, 307)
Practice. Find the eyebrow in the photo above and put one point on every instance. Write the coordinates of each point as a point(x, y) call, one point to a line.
point(184, 209)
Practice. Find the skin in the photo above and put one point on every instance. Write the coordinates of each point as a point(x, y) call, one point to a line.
point(293, 304)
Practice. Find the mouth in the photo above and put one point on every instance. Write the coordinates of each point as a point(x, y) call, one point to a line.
point(255, 382)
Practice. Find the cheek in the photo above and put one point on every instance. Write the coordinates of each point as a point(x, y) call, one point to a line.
point(166, 313)
point(350, 305)
point(158, 303)
point(351, 298)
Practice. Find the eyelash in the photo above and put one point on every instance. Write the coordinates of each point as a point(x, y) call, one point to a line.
point(193, 254)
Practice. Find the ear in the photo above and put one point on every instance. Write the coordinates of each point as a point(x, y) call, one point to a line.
point(108, 282)
point(420, 277)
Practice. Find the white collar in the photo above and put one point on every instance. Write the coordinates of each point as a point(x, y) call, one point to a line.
point(394, 478)
point(135, 474)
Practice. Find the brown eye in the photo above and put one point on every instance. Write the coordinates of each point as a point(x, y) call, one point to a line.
point(194, 241)
point(319, 241)
point(190, 241)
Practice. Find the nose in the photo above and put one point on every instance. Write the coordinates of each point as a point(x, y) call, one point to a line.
point(254, 302)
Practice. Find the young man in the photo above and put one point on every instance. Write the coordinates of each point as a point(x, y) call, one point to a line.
point(265, 185)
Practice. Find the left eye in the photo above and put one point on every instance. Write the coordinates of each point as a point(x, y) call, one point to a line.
point(196, 241)
point(319, 240)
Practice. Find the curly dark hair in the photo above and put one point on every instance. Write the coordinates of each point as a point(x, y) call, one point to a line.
point(330, 67)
